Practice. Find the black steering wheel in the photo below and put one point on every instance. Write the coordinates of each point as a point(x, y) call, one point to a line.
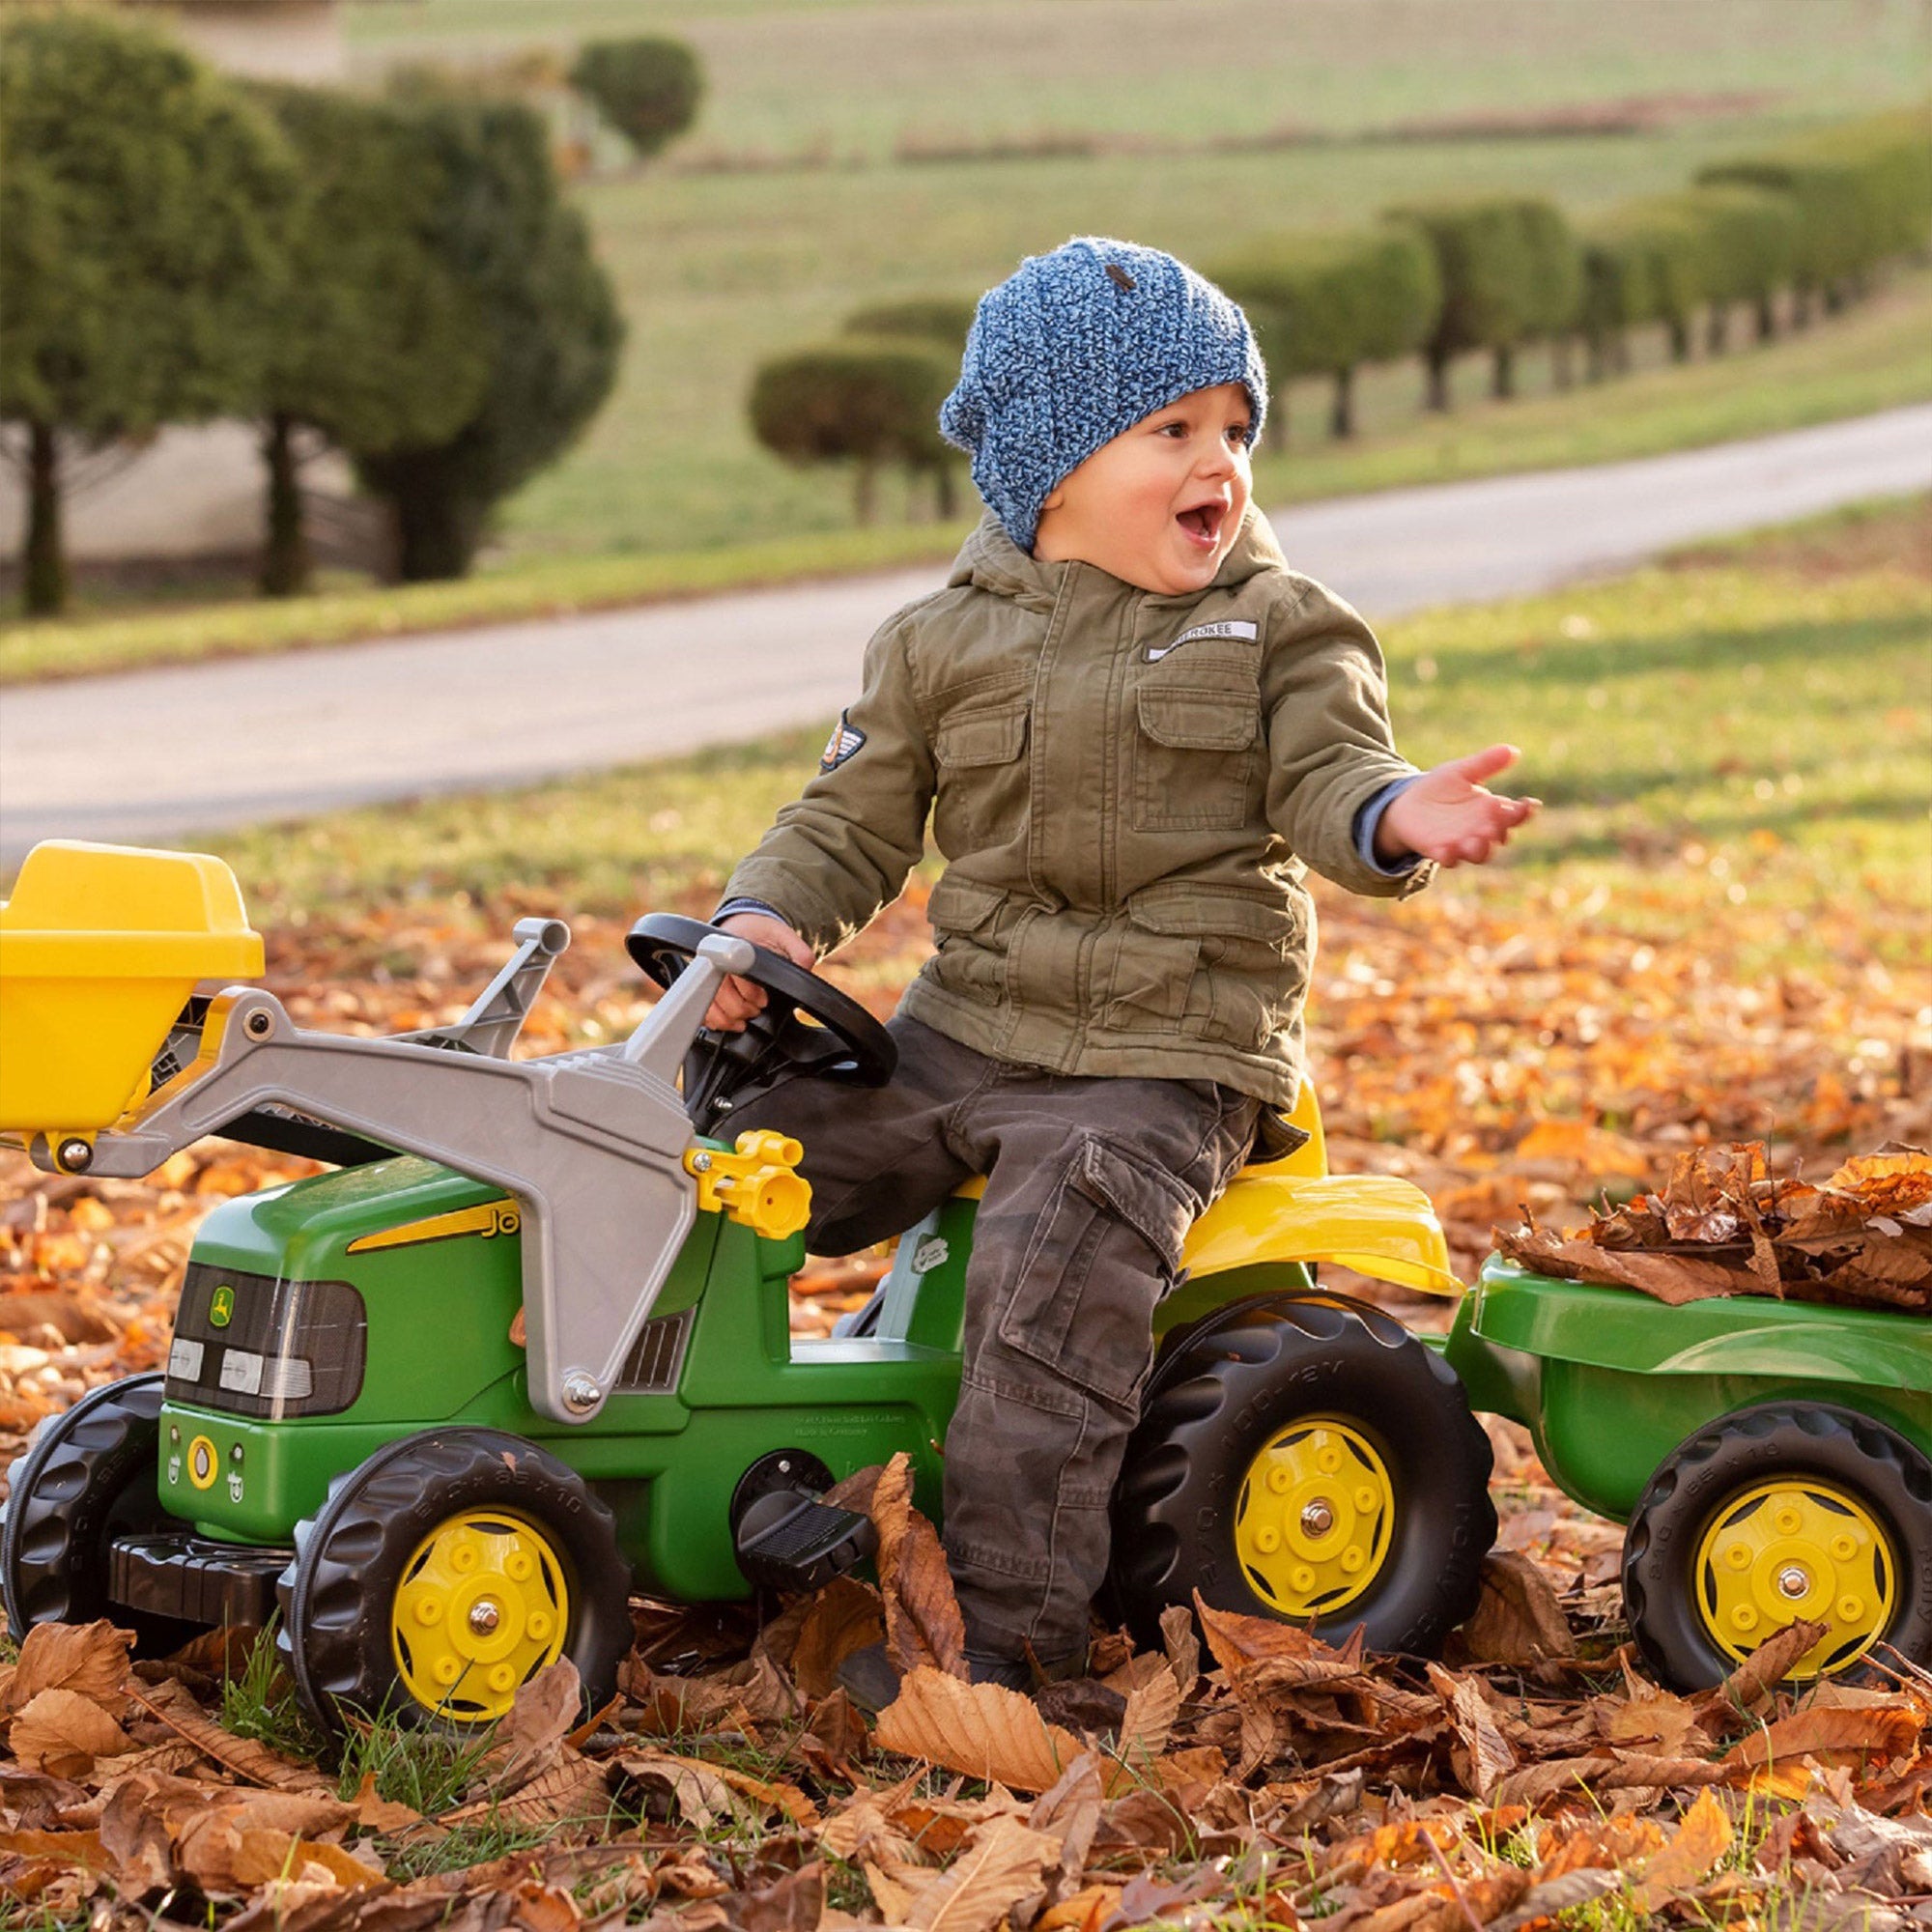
point(806, 1025)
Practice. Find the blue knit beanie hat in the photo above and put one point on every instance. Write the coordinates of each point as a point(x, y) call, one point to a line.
point(1074, 347)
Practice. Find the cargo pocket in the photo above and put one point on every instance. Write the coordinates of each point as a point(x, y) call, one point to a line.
point(1197, 760)
point(1250, 959)
point(981, 795)
point(1101, 1255)
point(970, 959)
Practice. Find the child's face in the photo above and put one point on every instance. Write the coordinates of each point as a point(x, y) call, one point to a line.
point(1159, 506)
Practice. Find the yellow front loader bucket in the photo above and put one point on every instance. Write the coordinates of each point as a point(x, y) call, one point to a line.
point(100, 948)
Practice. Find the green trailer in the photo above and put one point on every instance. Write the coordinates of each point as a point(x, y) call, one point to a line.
point(1769, 1457)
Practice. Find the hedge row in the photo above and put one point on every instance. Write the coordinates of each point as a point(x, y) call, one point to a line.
point(1860, 194)
point(1441, 279)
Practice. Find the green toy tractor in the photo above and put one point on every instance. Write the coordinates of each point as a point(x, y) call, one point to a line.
point(526, 1350)
point(526, 1353)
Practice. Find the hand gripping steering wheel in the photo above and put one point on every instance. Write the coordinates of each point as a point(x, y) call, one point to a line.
point(806, 1025)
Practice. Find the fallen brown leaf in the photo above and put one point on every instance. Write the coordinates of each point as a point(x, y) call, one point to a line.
point(980, 1729)
point(922, 1622)
point(90, 1659)
point(1700, 1841)
point(63, 1733)
point(1518, 1620)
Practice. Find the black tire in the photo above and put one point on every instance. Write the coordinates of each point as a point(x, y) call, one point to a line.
point(359, 1553)
point(1243, 1384)
point(89, 1475)
point(1674, 1602)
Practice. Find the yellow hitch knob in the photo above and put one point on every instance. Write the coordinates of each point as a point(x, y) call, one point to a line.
point(756, 1185)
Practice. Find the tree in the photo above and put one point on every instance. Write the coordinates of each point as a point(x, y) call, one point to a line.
point(1859, 193)
point(941, 322)
point(1747, 239)
point(857, 400)
point(141, 205)
point(380, 346)
point(1323, 304)
point(1510, 275)
point(1642, 262)
point(647, 89)
point(550, 324)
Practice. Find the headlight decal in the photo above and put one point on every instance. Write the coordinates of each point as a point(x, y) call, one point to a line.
point(254, 1346)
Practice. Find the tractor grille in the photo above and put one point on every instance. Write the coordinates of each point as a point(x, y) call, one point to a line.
point(657, 1356)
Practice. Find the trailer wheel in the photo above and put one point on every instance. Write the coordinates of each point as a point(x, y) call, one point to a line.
point(1308, 1459)
point(1785, 1511)
point(443, 1573)
point(89, 1475)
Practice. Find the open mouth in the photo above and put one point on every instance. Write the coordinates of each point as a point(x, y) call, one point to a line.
point(1202, 525)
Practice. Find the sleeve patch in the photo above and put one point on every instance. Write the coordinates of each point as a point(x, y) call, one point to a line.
point(845, 739)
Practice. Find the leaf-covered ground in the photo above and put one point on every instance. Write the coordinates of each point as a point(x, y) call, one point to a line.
point(1538, 1040)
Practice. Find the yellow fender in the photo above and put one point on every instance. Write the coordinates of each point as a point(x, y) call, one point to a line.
point(1374, 1223)
point(1293, 1210)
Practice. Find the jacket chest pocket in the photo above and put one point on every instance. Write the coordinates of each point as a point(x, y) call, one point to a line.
point(1196, 750)
point(982, 797)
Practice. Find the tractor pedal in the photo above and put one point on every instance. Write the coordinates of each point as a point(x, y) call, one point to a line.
point(791, 1541)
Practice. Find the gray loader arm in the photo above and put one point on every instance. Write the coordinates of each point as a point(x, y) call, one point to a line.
point(496, 1014)
point(592, 1146)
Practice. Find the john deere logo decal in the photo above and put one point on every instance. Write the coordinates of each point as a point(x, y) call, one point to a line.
point(222, 1307)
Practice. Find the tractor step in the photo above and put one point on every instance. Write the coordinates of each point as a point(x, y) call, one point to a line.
point(791, 1541)
point(173, 1574)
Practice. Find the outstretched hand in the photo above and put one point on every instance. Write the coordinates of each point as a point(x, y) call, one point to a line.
point(1449, 816)
point(737, 1000)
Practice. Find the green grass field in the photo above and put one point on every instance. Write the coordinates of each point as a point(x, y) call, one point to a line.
point(667, 494)
point(1743, 732)
point(852, 77)
point(718, 270)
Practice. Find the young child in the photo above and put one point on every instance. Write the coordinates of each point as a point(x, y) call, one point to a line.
point(1133, 728)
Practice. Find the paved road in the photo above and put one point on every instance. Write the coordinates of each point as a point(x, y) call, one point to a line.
point(150, 757)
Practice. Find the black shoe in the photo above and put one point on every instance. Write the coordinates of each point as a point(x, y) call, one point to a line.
point(1009, 1673)
point(872, 1680)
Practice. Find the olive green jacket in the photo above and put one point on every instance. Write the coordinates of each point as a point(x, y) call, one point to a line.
point(1126, 789)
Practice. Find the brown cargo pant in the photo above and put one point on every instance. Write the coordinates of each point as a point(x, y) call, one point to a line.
point(1091, 1187)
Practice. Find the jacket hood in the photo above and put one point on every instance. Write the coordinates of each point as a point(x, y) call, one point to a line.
point(989, 560)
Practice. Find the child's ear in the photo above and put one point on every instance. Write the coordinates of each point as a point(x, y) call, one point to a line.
point(1054, 497)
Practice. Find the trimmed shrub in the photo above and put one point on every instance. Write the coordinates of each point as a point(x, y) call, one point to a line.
point(940, 319)
point(379, 345)
point(1510, 273)
point(1862, 192)
point(142, 205)
point(548, 319)
point(1642, 263)
point(941, 322)
point(1555, 282)
point(1747, 239)
point(1323, 304)
point(861, 400)
point(648, 89)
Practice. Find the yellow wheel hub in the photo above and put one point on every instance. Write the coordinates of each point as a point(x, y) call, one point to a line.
point(1313, 1522)
point(482, 1607)
point(1791, 1548)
